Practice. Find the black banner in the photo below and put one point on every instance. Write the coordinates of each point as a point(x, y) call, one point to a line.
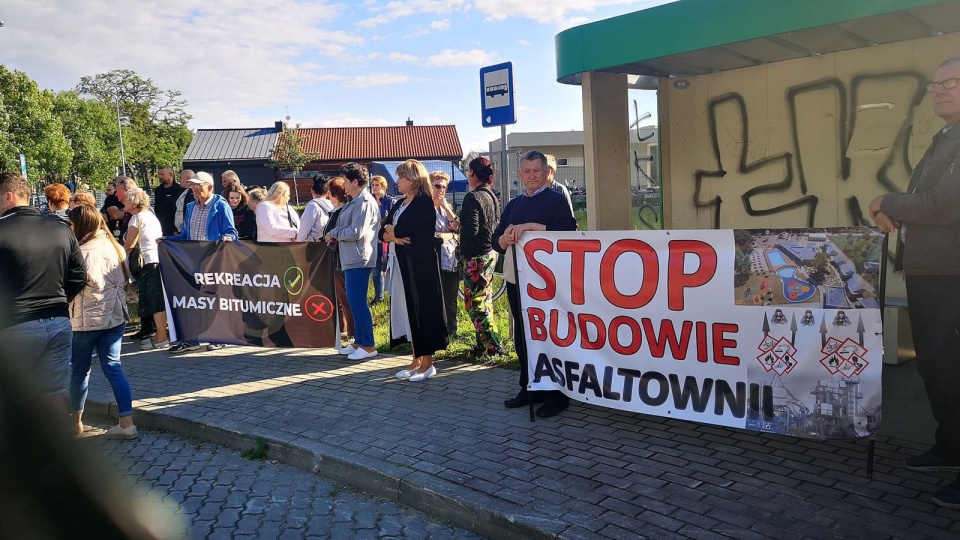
point(245, 293)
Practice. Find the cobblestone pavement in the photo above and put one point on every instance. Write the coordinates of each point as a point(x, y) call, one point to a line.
point(448, 447)
point(224, 495)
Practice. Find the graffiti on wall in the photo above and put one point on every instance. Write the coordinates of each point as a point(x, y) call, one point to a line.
point(855, 132)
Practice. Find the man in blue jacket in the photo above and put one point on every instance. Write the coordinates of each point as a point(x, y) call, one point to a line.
point(209, 218)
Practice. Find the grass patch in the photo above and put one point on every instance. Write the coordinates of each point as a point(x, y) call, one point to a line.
point(461, 344)
point(258, 452)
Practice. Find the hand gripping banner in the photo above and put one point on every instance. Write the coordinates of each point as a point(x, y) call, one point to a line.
point(770, 331)
point(245, 293)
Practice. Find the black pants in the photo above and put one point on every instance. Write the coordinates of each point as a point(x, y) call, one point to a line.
point(934, 306)
point(551, 397)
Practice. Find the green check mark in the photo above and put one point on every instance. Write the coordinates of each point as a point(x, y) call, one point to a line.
point(293, 280)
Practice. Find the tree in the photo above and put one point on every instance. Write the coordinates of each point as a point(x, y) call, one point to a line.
point(821, 266)
point(155, 129)
point(28, 126)
point(90, 128)
point(288, 154)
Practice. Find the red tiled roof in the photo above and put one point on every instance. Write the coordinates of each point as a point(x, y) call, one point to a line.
point(383, 143)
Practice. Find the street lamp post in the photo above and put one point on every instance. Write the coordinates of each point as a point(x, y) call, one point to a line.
point(123, 157)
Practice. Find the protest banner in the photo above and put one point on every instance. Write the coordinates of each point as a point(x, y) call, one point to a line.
point(245, 293)
point(770, 331)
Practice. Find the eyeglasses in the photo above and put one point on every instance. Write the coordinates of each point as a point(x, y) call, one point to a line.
point(441, 187)
point(947, 84)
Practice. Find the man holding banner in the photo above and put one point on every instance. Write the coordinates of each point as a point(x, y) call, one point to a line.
point(539, 208)
point(208, 218)
point(930, 259)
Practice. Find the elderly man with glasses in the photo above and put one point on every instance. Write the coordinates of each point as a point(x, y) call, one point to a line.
point(928, 252)
point(538, 208)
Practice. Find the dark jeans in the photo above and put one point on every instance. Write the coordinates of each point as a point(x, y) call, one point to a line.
point(935, 322)
point(550, 397)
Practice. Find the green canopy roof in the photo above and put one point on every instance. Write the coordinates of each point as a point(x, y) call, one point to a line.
point(694, 37)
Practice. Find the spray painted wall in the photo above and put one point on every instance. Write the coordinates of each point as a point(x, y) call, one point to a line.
point(800, 143)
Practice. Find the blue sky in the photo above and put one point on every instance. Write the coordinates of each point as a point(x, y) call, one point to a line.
point(248, 63)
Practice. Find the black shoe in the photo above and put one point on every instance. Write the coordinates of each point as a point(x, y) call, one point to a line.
point(521, 400)
point(550, 410)
point(930, 461)
point(376, 301)
point(948, 497)
point(142, 334)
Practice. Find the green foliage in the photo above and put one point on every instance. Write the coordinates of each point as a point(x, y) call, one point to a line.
point(258, 452)
point(65, 134)
point(91, 129)
point(28, 126)
point(155, 129)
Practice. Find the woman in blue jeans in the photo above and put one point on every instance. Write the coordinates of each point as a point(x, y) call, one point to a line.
point(98, 316)
point(355, 235)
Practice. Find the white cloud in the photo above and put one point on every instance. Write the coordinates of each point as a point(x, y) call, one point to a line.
point(523, 43)
point(416, 33)
point(442, 24)
point(224, 57)
point(548, 11)
point(375, 79)
point(402, 57)
point(405, 8)
point(452, 58)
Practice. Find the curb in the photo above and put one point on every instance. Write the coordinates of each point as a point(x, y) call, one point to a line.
point(436, 497)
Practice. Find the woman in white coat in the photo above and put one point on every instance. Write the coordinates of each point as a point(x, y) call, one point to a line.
point(277, 221)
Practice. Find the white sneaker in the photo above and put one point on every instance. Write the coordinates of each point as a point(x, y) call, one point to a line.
point(349, 349)
point(361, 354)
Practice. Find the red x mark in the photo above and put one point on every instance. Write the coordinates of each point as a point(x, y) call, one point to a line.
point(318, 307)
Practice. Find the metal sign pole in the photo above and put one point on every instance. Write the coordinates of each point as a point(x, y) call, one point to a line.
point(505, 166)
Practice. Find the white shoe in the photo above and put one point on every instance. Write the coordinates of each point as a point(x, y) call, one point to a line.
point(405, 373)
point(349, 349)
point(361, 354)
point(423, 376)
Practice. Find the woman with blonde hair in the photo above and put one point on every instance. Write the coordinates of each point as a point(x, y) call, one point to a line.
point(277, 221)
point(144, 229)
point(82, 197)
point(98, 316)
point(416, 299)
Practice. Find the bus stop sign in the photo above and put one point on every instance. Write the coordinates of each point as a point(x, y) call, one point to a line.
point(496, 95)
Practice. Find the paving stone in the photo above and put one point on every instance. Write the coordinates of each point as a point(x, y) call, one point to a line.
point(603, 466)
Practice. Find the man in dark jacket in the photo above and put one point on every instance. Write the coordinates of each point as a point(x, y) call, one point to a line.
point(41, 270)
point(165, 200)
point(928, 252)
point(539, 208)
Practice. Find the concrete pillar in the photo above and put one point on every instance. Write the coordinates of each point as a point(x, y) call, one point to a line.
point(606, 151)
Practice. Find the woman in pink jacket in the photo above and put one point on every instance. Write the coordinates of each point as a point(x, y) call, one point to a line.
point(277, 221)
point(98, 316)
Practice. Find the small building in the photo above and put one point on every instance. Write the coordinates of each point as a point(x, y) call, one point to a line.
point(246, 151)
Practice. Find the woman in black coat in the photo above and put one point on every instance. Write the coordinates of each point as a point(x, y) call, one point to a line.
point(416, 312)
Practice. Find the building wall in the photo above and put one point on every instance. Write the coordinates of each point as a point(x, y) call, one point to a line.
point(806, 142)
point(800, 143)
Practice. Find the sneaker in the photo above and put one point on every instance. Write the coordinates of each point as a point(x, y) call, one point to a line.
point(148, 344)
point(949, 496)
point(930, 461)
point(122, 434)
point(140, 335)
point(417, 377)
point(347, 350)
point(215, 346)
point(184, 346)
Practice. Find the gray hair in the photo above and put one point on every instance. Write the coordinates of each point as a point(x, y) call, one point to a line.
point(139, 198)
point(129, 184)
point(949, 62)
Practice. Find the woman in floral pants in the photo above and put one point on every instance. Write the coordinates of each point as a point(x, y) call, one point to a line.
point(479, 217)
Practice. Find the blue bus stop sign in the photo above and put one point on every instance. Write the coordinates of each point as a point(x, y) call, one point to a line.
point(496, 95)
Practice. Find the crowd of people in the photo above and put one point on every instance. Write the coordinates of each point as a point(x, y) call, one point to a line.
point(418, 252)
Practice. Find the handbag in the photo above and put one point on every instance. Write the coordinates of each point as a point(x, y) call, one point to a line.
point(135, 259)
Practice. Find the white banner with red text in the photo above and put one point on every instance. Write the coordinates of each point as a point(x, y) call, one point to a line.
point(775, 331)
